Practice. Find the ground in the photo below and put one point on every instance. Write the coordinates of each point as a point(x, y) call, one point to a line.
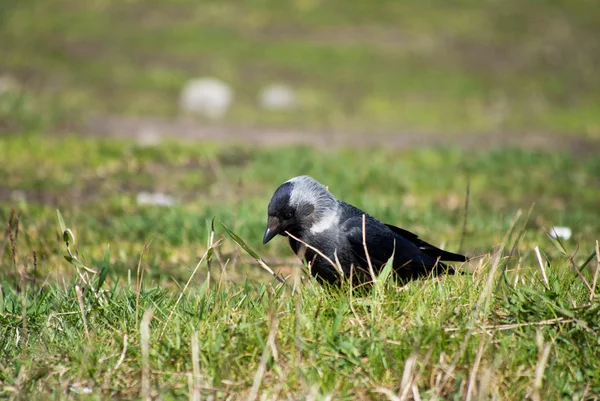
point(411, 66)
point(518, 324)
point(475, 125)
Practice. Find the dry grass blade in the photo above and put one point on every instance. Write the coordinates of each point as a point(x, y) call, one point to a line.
point(562, 249)
point(123, 353)
point(415, 391)
point(388, 393)
point(511, 326)
point(24, 302)
point(482, 305)
point(485, 382)
point(408, 377)
point(145, 347)
point(250, 252)
point(185, 288)
point(138, 283)
point(211, 240)
point(351, 303)
point(364, 237)
point(336, 266)
point(541, 263)
point(195, 393)
point(473, 375)
point(595, 281)
point(82, 310)
point(512, 228)
point(544, 353)
point(262, 366)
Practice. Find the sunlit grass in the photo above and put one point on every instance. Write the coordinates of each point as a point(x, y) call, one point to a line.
point(519, 324)
point(508, 330)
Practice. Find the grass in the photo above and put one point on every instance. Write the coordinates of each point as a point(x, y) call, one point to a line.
point(117, 299)
point(147, 320)
point(408, 66)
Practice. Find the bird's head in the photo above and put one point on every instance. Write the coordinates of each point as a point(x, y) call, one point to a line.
point(298, 204)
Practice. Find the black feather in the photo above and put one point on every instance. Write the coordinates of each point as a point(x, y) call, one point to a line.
point(342, 240)
point(427, 248)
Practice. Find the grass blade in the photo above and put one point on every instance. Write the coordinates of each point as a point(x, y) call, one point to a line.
point(251, 252)
point(104, 269)
point(61, 222)
point(387, 269)
point(240, 242)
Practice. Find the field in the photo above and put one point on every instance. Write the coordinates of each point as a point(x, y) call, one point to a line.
point(382, 66)
point(514, 327)
point(475, 125)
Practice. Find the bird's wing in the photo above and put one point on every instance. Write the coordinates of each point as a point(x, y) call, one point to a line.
point(427, 248)
point(380, 243)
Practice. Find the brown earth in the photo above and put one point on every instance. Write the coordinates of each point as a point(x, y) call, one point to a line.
point(154, 130)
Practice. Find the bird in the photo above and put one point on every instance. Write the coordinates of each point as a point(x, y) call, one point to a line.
point(327, 234)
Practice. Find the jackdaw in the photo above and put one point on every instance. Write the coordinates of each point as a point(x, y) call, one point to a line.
point(328, 234)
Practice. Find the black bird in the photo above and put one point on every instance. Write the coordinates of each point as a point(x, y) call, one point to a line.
point(316, 220)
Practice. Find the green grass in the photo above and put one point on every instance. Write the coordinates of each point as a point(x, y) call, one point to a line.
point(424, 66)
point(503, 331)
point(148, 319)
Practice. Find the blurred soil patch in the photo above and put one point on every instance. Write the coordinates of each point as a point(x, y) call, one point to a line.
point(154, 130)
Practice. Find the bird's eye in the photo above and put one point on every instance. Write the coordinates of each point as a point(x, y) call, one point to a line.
point(288, 215)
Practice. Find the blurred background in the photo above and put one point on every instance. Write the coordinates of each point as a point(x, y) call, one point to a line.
point(392, 67)
point(396, 105)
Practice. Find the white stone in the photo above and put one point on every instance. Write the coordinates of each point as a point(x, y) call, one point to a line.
point(18, 196)
point(8, 84)
point(560, 232)
point(149, 136)
point(207, 96)
point(277, 97)
point(79, 389)
point(155, 198)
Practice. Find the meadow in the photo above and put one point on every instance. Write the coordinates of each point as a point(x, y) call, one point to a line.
point(148, 301)
point(474, 124)
point(362, 66)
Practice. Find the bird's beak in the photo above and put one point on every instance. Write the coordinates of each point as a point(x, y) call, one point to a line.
point(273, 228)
